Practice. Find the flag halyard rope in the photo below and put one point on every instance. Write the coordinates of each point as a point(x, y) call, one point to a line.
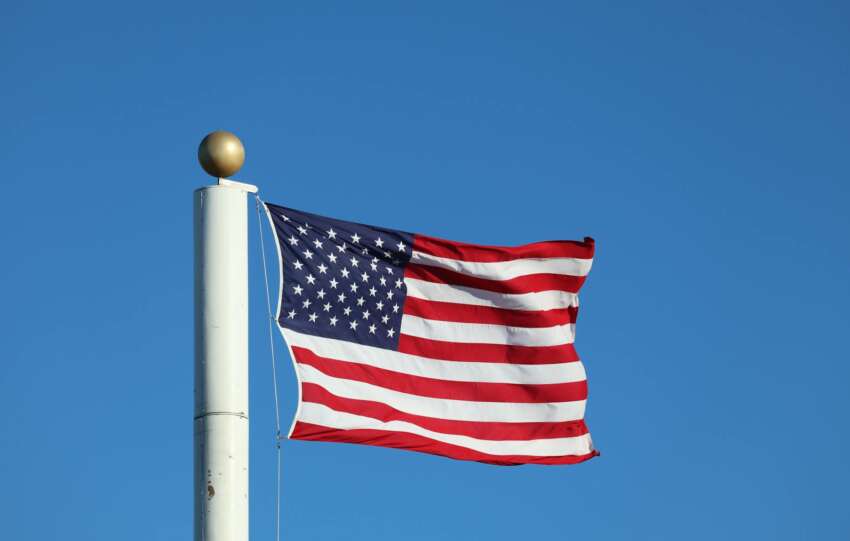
point(274, 370)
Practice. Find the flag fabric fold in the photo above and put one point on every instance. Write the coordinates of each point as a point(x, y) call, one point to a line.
point(407, 341)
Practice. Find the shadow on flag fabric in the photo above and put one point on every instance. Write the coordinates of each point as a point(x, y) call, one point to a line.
point(413, 342)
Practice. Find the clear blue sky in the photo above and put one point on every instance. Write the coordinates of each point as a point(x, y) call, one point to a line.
point(705, 148)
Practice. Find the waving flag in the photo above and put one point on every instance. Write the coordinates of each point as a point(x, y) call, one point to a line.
point(407, 341)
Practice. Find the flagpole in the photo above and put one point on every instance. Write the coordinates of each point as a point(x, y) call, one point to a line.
point(221, 345)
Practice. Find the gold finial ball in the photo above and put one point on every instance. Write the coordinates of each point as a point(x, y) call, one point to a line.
point(221, 154)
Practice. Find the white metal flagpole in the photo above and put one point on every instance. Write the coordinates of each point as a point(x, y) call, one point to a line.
point(221, 345)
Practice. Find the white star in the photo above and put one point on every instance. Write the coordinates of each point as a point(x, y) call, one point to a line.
point(364, 277)
point(372, 328)
point(332, 257)
point(355, 238)
point(389, 294)
point(374, 266)
point(390, 333)
point(306, 303)
point(395, 308)
point(387, 254)
point(398, 283)
point(372, 291)
point(379, 243)
point(298, 289)
point(302, 230)
point(321, 293)
point(360, 301)
point(298, 265)
point(308, 254)
point(331, 233)
point(364, 251)
point(292, 240)
point(327, 307)
point(313, 317)
point(344, 272)
point(401, 246)
point(353, 287)
point(311, 279)
point(380, 305)
point(341, 247)
point(333, 283)
point(366, 314)
point(353, 325)
point(285, 217)
point(389, 270)
point(317, 243)
point(347, 311)
point(385, 319)
point(354, 262)
point(291, 314)
point(333, 321)
point(341, 297)
point(383, 281)
point(323, 268)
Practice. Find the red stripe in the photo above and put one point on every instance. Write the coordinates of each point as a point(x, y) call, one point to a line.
point(487, 254)
point(529, 283)
point(311, 392)
point(438, 388)
point(470, 313)
point(483, 353)
point(414, 442)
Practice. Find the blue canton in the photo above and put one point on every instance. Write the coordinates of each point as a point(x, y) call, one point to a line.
point(341, 279)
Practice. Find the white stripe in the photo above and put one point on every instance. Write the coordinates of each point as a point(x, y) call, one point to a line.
point(485, 333)
point(319, 414)
point(404, 363)
point(505, 270)
point(541, 300)
point(442, 408)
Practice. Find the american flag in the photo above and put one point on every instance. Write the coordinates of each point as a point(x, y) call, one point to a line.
point(418, 343)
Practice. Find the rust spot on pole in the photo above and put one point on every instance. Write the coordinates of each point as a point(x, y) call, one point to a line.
point(210, 491)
